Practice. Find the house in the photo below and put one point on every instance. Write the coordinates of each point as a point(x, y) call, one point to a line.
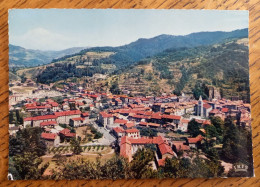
point(180, 146)
point(133, 133)
point(66, 135)
point(77, 122)
point(120, 122)
point(50, 139)
point(118, 132)
point(128, 147)
point(36, 121)
point(195, 142)
point(129, 125)
point(106, 119)
point(85, 117)
point(171, 119)
point(64, 117)
point(183, 126)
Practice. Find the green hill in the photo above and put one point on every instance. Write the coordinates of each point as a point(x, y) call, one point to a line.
point(191, 70)
point(21, 57)
point(121, 57)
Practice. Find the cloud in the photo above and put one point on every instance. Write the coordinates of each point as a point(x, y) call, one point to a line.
point(43, 39)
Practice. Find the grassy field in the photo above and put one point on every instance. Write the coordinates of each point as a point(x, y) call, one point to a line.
point(105, 154)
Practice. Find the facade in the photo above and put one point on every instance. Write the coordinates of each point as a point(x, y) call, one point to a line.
point(50, 139)
point(65, 116)
point(106, 119)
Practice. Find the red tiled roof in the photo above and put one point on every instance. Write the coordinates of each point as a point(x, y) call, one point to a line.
point(206, 122)
point(214, 111)
point(120, 121)
point(156, 115)
point(85, 114)
point(129, 124)
point(143, 123)
point(106, 115)
point(38, 107)
point(118, 130)
point(68, 113)
point(161, 162)
point(171, 117)
point(77, 119)
point(131, 130)
point(40, 118)
point(185, 120)
point(224, 110)
point(154, 124)
point(207, 106)
point(165, 148)
point(195, 140)
point(48, 136)
point(65, 131)
point(180, 146)
point(53, 104)
point(141, 116)
point(46, 123)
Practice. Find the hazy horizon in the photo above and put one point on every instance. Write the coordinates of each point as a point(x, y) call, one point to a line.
point(59, 29)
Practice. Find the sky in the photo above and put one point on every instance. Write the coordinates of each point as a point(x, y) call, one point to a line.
point(57, 29)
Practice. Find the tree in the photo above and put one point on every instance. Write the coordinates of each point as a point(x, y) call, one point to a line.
point(76, 148)
point(145, 131)
point(115, 168)
point(218, 123)
point(27, 140)
point(140, 166)
point(175, 167)
point(28, 165)
point(194, 128)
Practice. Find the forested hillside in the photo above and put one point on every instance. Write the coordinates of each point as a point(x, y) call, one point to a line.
point(124, 56)
point(191, 70)
point(21, 57)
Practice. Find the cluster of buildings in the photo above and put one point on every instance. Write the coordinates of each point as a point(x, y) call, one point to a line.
point(126, 116)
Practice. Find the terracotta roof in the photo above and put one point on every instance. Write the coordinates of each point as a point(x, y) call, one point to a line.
point(206, 122)
point(161, 162)
point(68, 113)
point(85, 114)
point(180, 146)
point(143, 123)
point(106, 115)
point(77, 119)
point(129, 125)
point(120, 121)
point(214, 111)
point(185, 120)
point(156, 115)
point(40, 118)
point(153, 124)
point(207, 106)
point(54, 104)
point(131, 130)
point(224, 110)
point(171, 117)
point(195, 140)
point(46, 123)
point(118, 130)
point(48, 136)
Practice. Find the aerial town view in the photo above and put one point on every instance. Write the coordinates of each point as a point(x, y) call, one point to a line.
point(159, 104)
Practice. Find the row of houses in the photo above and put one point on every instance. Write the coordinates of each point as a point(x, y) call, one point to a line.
point(74, 118)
